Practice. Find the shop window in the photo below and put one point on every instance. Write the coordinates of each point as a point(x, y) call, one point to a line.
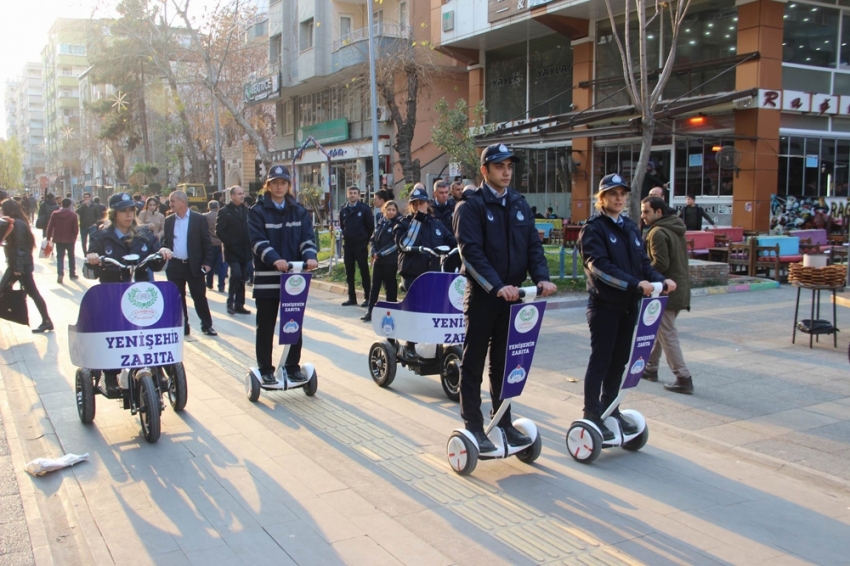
point(550, 70)
point(809, 80)
point(811, 35)
point(697, 170)
point(841, 84)
point(813, 167)
point(506, 72)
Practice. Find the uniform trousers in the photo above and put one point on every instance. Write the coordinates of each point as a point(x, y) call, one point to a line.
point(356, 252)
point(266, 319)
point(384, 273)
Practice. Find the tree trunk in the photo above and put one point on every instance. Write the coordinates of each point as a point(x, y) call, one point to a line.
point(143, 112)
point(640, 170)
point(246, 126)
point(186, 130)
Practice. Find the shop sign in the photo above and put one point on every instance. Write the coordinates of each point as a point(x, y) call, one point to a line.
point(804, 102)
point(262, 89)
point(501, 9)
point(796, 101)
point(326, 132)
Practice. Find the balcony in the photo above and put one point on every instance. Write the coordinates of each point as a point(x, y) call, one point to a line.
point(395, 31)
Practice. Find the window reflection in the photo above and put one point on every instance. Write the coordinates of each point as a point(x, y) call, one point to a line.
point(813, 167)
point(811, 35)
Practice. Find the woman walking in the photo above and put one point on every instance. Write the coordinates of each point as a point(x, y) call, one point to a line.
point(48, 206)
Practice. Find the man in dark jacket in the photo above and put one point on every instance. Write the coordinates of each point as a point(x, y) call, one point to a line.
point(693, 214)
point(218, 267)
point(499, 246)
point(357, 225)
point(442, 207)
point(231, 227)
point(88, 217)
point(62, 229)
point(668, 252)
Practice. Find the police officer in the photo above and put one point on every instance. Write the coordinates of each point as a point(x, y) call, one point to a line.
point(417, 229)
point(618, 273)
point(442, 207)
point(357, 224)
point(499, 246)
point(281, 231)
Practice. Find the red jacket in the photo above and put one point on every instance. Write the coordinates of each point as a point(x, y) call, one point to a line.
point(63, 226)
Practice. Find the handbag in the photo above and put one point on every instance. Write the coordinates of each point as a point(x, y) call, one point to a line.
point(46, 249)
point(13, 306)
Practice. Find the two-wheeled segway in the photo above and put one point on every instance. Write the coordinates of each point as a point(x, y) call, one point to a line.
point(462, 449)
point(294, 288)
point(137, 328)
point(424, 331)
point(584, 438)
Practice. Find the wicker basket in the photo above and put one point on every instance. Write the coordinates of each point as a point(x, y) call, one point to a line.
point(829, 276)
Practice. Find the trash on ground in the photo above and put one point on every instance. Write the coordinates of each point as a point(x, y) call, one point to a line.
point(41, 466)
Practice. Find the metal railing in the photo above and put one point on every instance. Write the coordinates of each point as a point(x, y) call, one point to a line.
point(381, 30)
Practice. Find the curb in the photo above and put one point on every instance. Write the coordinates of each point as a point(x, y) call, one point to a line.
point(762, 285)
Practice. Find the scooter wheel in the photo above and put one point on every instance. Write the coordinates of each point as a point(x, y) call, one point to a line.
point(450, 372)
point(252, 387)
point(382, 363)
point(178, 389)
point(462, 454)
point(312, 385)
point(584, 443)
point(639, 441)
point(85, 395)
point(149, 409)
point(531, 453)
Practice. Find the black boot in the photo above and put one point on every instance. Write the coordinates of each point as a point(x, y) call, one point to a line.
point(45, 327)
point(681, 385)
point(606, 432)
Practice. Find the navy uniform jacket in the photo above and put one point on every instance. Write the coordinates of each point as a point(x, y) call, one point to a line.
point(444, 212)
point(615, 260)
point(424, 230)
point(499, 243)
point(383, 242)
point(357, 223)
point(278, 234)
point(106, 242)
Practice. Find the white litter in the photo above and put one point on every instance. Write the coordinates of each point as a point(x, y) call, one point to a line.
point(41, 466)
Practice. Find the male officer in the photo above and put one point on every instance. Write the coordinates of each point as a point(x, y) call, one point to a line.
point(442, 207)
point(357, 224)
point(499, 246)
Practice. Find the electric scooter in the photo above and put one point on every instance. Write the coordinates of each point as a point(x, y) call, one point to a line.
point(584, 439)
point(137, 327)
point(431, 315)
point(462, 449)
point(294, 288)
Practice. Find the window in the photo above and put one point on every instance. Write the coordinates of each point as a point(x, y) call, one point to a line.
point(505, 86)
point(402, 14)
point(550, 62)
point(813, 167)
point(345, 25)
point(306, 35)
point(274, 50)
point(811, 35)
point(378, 21)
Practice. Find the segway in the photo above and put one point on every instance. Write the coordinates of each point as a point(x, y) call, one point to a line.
point(462, 449)
point(584, 439)
point(431, 316)
point(294, 288)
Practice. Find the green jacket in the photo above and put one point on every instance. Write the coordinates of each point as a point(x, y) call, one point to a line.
point(668, 252)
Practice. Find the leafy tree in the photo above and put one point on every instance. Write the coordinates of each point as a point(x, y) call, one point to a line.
point(11, 163)
point(454, 133)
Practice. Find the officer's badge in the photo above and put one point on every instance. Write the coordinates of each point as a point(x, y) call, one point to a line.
point(144, 247)
point(490, 216)
point(359, 214)
point(637, 242)
point(519, 216)
point(438, 232)
point(613, 239)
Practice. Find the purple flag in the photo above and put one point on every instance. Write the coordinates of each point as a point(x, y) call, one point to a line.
point(294, 288)
point(525, 322)
point(649, 319)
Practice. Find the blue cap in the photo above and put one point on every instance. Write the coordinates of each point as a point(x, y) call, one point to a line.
point(496, 153)
point(120, 201)
point(418, 194)
point(278, 171)
point(612, 181)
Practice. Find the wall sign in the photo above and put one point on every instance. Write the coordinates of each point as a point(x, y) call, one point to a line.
point(262, 89)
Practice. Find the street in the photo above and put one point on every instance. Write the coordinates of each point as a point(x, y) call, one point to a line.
point(753, 468)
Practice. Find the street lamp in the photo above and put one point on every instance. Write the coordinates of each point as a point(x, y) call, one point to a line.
point(373, 91)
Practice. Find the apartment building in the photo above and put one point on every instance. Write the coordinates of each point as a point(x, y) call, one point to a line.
point(25, 121)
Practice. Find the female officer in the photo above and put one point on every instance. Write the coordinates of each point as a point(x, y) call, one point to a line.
point(384, 257)
point(618, 272)
point(416, 229)
point(119, 237)
point(281, 231)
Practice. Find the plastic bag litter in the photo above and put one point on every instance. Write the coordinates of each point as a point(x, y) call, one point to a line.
point(41, 466)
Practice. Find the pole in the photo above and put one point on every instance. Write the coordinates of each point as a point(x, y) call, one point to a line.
point(220, 173)
point(373, 92)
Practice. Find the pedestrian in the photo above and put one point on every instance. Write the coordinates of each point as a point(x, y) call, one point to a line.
point(101, 212)
point(89, 214)
point(140, 204)
point(618, 272)
point(281, 231)
point(151, 218)
point(218, 267)
point(357, 225)
point(164, 207)
point(384, 258)
point(500, 248)
point(231, 227)
point(48, 206)
point(24, 203)
point(121, 235)
point(550, 213)
point(70, 196)
point(537, 215)
point(62, 230)
point(457, 192)
point(652, 178)
point(668, 251)
point(187, 235)
point(32, 204)
point(378, 201)
point(442, 207)
point(19, 245)
point(693, 214)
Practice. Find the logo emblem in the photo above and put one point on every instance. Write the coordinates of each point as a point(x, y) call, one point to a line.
point(456, 291)
point(519, 216)
point(503, 148)
point(652, 312)
point(638, 366)
point(388, 324)
point(144, 247)
point(290, 327)
point(526, 318)
point(517, 376)
point(616, 179)
point(359, 214)
point(295, 285)
point(637, 242)
point(142, 304)
point(438, 232)
point(613, 239)
point(125, 197)
point(490, 216)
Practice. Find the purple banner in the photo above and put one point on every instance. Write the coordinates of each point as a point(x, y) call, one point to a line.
point(525, 322)
point(649, 319)
point(294, 288)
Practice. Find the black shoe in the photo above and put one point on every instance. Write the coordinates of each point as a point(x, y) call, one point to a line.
point(209, 331)
point(269, 379)
point(59, 279)
point(186, 330)
point(295, 376)
point(515, 437)
point(606, 432)
point(74, 277)
point(349, 303)
point(45, 327)
point(365, 304)
point(627, 426)
point(209, 287)
point(112, 389)
point(242, 310)
point(230, 309)
point(681, 385)
point(484, 444)
point(409, 350)
point(366, 317)
point(650, 375)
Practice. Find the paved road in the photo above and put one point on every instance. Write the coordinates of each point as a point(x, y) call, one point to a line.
point(751, 469)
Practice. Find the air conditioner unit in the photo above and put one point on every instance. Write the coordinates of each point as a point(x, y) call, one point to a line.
point(383, 114)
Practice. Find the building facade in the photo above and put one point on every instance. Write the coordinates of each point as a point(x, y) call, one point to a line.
point(758, 104)
point(25, 121)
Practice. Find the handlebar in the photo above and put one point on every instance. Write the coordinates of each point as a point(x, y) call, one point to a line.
point(528, 294)
point(437, 252)
point(131, 258)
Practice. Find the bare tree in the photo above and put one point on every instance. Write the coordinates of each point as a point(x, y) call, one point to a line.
point(644, 96)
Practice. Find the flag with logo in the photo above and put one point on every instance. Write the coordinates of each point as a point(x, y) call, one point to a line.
point(646, 331)
point(523, 330)
point(294, 288)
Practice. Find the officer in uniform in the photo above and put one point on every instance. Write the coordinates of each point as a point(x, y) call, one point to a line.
point(357, 224)
point(499, 246)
